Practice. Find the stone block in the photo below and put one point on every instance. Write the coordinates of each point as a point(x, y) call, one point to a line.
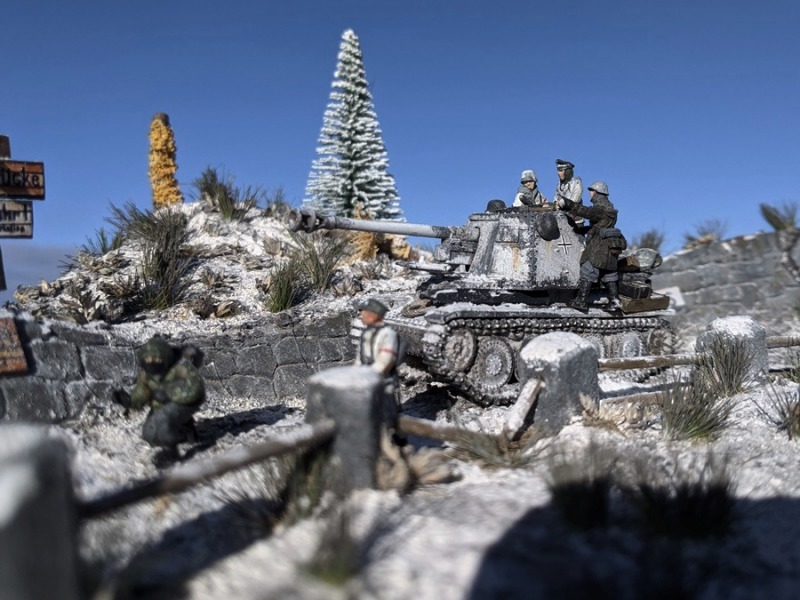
point(250, 386)
point(34, 399)
point(78, 335)
point(80, 394)
point(336, 350)
point(287, 352)
point(109, 363)
point(291, 380)
point(38, 528)
point(332, 326)
point(567, 365)
point(55, 360)
point(218, 365)
point(256, 360)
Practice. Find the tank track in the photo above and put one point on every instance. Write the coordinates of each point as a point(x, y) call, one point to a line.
point(476, 350)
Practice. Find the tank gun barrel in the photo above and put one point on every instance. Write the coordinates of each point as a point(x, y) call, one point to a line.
point(309, 221)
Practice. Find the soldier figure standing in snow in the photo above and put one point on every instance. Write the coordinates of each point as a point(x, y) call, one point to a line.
point(380, 348)
point(528, 193)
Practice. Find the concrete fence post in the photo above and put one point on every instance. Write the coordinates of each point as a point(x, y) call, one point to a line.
point(739, 330)
point(566, 365)
point(353, 397)
point(38, 544)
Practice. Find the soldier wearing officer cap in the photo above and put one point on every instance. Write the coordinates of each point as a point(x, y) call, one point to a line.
point(569, 187)
point(528, 193)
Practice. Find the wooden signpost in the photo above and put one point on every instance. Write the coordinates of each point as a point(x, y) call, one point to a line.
point(21, 182)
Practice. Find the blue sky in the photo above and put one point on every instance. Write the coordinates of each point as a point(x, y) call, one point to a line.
point(688, 110)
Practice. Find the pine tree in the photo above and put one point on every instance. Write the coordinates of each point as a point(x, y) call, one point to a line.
point(351, 169)
point(163, 165)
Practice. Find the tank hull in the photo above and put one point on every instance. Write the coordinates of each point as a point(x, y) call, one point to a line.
point(476, 347)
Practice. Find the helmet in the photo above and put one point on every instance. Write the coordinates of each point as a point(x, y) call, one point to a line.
point(374, 305)
point(156, 356)
point(528, 175)
point(600, 187)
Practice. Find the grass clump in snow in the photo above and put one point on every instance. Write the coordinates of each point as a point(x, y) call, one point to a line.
point(725, 367)
point(783, 411)
point(689, 411)
point(163, 266)
point(695, 500)
point(581, 485)
point(318, 255)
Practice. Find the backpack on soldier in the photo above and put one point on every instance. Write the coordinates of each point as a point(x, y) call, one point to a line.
point(614, 239)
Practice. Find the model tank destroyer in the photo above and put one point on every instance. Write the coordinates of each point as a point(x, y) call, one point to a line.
point(502, 279)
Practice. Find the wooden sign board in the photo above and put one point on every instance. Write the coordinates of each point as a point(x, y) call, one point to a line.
point(16, 219)
point(22, 179)
point(12, 356)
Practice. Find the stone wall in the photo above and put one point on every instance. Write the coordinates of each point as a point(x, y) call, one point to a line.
point(70, 367)
point(740, 276)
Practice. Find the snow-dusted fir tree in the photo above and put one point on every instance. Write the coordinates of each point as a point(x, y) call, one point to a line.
point(350, 173)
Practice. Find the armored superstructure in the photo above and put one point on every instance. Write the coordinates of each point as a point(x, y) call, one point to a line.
point(501, 279)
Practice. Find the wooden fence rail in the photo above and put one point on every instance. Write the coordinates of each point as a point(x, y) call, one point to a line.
point(674, 360)
point(185, 476)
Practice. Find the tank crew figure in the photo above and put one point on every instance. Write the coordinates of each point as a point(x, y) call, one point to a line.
point(604, 243)
point(379, 348)
point(528, 193)
point(569, 188)
point(169, 384)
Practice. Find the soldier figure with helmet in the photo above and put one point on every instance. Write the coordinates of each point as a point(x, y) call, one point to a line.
point(604, 243)
point(528, 193)
point(170, 385)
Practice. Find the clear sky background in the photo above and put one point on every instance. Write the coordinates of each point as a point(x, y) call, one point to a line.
point(689, 110)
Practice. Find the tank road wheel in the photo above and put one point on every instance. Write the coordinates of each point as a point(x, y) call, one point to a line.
point(661, 341)
point(630, 345)
point(494, 364)
point(459, 350)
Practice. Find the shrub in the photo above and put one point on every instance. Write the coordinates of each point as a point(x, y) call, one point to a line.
point(102, 243)
point(783, 411)
point(318, 255)
point(780, 218)
point(793, 369)
point(581, 486)
point(725, 367)
point(284, 288)
point(693, 501)
point(221, 194)
point(163, 267)
point(277, 205)
point(133, 223)
point(706, 232)
point(652, 238)
point(690, 411)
